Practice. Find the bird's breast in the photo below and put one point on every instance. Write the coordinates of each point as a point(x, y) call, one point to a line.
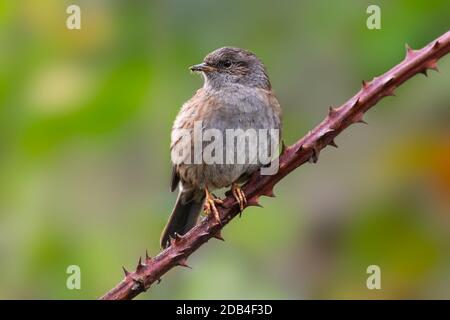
point(225, 111)
point(239, 107)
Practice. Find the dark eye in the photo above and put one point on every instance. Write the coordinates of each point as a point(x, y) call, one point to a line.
point(226, 63)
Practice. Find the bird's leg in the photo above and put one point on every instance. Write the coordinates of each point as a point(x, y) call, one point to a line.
point(210, 204)
point(239, 195)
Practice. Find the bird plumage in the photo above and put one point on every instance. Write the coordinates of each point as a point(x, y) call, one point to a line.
point(233, 97)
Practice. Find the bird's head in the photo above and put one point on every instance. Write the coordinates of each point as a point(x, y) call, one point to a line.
point(229, 65)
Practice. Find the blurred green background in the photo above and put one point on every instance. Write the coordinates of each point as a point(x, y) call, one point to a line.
point(85, 118)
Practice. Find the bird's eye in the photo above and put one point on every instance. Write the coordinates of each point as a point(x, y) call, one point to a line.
point(226, 63)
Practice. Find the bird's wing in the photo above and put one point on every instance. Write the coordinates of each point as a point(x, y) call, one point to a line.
point(184, 120)
point(175, 178)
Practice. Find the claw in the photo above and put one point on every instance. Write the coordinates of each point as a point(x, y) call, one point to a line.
point(210, 205)
point(239, 195)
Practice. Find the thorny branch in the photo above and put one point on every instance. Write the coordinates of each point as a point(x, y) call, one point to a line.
point(150, 270)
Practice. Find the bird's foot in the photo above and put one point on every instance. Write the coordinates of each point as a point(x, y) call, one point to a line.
point(239, 195)
point(210, 205)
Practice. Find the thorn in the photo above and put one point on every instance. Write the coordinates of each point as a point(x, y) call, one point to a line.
point(125, 271)
point(390, 93)
point(177, 238)
point(315, 155)
point(140, 266)
point(171, 241)
point(269, 193)
point(359, 118)
point(183, 263)
point(408, 48)
point(158, 281)
point(218, 235)
point(300, 149)
point(327, 131)
point(333, 144)
point(409, 52)
point(424, 72)
point(283, 147)
point(254, 202)
point(332, 112)
point(389, 82)
point(365, 85)
point(436, 44)
point(322, 134)
point(432, 64)
point(356, 103)
point(147, 257)
point(138, 285)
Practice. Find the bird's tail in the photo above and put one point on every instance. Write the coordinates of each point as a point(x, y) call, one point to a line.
point(183, 217)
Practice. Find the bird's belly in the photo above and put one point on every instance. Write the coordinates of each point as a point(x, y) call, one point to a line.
point(214, 176)
point(226, 157)
point(247, 114)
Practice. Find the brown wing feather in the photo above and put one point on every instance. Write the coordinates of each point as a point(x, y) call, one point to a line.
point(175, 179)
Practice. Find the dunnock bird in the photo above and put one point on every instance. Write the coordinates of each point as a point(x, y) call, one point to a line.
point(236, 94)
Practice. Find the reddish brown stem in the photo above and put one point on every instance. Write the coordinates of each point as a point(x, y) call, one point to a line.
point(307, 148)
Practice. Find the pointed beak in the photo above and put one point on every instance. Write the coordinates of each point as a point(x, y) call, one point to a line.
point(201, 67)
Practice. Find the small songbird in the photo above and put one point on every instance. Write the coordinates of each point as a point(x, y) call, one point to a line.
point(236, 94)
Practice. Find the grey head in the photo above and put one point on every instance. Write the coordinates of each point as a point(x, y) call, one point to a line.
point(228, 65)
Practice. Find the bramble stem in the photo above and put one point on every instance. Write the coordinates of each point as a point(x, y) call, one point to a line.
point(307, 148)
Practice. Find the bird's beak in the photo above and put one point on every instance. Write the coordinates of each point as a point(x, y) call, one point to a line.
point(201, 67)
